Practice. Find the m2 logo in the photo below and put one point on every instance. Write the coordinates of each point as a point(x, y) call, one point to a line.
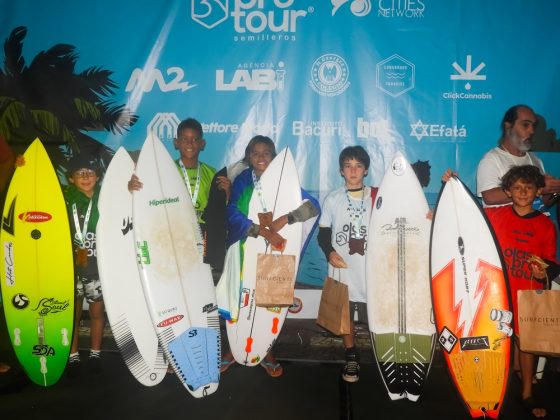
point(254, 79)
point(145, 80)
point(43, 350)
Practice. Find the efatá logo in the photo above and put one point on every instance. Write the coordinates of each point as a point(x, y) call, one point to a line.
point(35, 216)
point(329, 75)
point(164, 201)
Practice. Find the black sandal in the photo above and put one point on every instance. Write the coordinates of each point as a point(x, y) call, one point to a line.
point(530, 404)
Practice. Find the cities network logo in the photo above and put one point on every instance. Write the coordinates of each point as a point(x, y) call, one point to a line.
point(329, 75)
point(407, 9)
point(395, 75)
point(468, 75)
point(252, 21)
point(358, 8)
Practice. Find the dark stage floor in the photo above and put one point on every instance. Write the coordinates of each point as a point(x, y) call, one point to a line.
point(309, 389)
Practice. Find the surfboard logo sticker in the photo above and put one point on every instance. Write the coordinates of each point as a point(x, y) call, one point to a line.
point(447, 340)
point(34, 216)
point(9, 272)
point(296, 307)
point(126, 226)
point(171, 320)
point(142, 253)
point(379, 202)
point(50, 305)
point(20, 301)
point(474, 343)
point(461, 245)
point(398, 166)
point(8, 220)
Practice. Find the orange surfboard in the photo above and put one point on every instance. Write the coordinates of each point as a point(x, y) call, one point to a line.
point(470, 300)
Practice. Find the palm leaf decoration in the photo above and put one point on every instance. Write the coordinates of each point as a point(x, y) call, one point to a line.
point(49, 100)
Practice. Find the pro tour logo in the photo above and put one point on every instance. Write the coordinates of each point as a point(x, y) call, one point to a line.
point(171, 320)
point(35, 216)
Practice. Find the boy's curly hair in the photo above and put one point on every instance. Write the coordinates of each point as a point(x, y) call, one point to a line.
point(526, 173)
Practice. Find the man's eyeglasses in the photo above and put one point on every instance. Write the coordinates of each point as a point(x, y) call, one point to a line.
point(84, 173)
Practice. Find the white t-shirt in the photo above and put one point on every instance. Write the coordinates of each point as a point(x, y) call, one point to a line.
point(335, 214)
point(495, 164)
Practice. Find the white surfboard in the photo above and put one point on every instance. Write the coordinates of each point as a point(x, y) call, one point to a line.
point(257, 328)
point(120, 279)
point(398, 282)
point(178, 286)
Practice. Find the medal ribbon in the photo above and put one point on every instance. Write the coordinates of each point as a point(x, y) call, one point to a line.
point(188, 182)
point(81, 233)
point(258, 189)
point(356, 215)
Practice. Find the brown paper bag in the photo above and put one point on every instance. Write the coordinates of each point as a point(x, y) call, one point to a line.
point(334, 311)
point(539, 321)
point(276, 277)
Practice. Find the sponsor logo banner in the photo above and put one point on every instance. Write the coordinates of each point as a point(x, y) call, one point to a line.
point(329, 75)
point(395, 75)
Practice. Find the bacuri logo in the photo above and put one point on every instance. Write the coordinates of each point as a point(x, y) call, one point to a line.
point(252, 19)
point(263, 76)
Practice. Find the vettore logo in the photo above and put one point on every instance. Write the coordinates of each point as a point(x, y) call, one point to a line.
point(329, 75)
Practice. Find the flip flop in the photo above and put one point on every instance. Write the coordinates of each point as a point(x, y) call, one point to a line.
point(4, 367)
point(274, 370)
point(530, 404)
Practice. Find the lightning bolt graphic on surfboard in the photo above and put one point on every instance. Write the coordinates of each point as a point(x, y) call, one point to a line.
point(466, 302)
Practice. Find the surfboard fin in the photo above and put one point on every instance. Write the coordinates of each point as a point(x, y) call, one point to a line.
point(196, 355)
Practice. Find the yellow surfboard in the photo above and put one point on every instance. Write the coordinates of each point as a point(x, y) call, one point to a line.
point(36, 268)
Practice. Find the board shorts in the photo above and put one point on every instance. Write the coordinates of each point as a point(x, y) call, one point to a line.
point(88, 287)
point(358, 312)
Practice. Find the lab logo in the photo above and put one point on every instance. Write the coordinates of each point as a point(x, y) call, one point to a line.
point(419, 130)
point(329, 75)
point(468, 74)
point(407, 9)
point(267, 77)
point(209, 13)
point(144, 80)
point(358, 8)
point(395, 75)
point(164, 126)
